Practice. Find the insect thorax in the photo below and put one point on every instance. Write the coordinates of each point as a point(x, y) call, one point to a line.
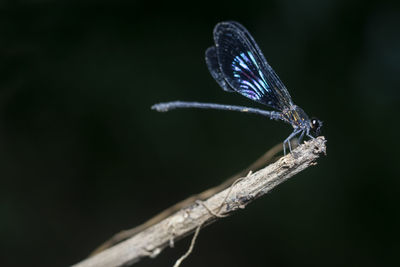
point(296, 117)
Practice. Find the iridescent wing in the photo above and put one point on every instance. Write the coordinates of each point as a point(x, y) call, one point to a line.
point(244, 68)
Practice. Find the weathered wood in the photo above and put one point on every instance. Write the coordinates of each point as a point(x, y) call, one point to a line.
point(151, 241)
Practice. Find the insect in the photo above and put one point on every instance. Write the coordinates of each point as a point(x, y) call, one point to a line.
point(238, 65)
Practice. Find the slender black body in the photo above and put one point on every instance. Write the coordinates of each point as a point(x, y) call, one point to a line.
point(238, 65)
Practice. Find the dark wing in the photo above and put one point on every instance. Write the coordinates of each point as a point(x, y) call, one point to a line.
point(244, 68)
point(213, 67)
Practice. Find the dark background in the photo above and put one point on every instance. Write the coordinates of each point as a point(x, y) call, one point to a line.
point(82, 156)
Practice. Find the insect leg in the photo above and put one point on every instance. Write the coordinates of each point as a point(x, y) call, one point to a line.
point(287, 140)
point(301, 137)
point(309, 135)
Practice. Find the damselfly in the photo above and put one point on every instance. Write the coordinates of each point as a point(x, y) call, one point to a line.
point(238, 65)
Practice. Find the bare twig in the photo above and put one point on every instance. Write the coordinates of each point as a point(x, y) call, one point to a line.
point(265, 159)
point(181, 259)
point(151, 241)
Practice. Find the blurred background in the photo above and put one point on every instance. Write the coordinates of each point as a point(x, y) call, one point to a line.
point(82, 156)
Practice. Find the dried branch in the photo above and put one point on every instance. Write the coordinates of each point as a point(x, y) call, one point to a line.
point(151, 241)
point(267, 158)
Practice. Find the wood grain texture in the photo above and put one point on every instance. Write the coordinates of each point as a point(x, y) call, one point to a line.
point(151, 241)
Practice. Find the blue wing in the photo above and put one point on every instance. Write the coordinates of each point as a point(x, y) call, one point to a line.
point(244, 68)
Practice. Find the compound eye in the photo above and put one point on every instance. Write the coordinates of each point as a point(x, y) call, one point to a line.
point(314, 123)
point(315, 126)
